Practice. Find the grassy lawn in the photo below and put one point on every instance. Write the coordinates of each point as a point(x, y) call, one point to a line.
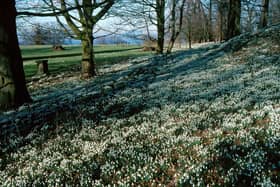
point(60, 61)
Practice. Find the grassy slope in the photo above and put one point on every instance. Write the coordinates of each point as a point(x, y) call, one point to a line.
point(203, 117)
point(105, 54)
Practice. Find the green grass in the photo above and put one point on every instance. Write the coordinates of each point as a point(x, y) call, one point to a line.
point(71, 56)
point(46, 50)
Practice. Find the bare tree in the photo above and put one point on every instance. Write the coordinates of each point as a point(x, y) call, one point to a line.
point(195, 22)
point(234, 15)
point(210, 27)
point(146, 14)
point(176, 27)
point(250, 14)
point(81, 17)
point(39, 35)
point(274, 6)
point(264, 14)
point(89, 13)
point(13, 91)
point(222, 9)
point(188, 22)
point(49, 33)
point(160, 12)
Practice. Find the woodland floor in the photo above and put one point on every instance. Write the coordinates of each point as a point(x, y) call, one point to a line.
point(206, 116)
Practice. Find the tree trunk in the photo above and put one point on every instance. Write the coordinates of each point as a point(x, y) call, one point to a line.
point(175, 31)
point(160, 10)
point(173, 27)
point(234, 18)
point(189, 30)
point(223, 9)
point(88, 63)
point(220, 18)
point(13, 91)
point(264, 15)
point(190, 34)
point(210, 31)
point(170, 45)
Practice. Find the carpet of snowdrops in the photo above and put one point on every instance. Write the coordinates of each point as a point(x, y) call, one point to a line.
point(200, 117)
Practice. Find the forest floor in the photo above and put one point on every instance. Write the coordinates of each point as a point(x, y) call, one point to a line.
point(206, 116)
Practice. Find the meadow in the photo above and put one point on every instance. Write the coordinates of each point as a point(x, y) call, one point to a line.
point(70, 58)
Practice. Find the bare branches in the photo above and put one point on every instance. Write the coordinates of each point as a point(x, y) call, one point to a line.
point(103, 11)
point(52, 12)
point(175, 31)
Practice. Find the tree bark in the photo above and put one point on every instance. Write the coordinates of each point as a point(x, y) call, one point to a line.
point(160, 11)
point(234, 15)
point(175, 31)
point(190, 37)
point(88, 61)
point(220, 24)
point(13, 91)
point(223, 9)
point(189, 31)
point(173, 27)
point(264, 14)
point(210, 31)
point(88, 14)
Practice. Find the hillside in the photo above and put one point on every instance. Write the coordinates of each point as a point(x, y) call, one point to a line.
point(206, 116)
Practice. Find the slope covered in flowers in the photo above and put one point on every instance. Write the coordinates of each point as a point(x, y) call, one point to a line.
point(207, 116)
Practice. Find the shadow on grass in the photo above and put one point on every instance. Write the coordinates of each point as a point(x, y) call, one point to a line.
point(160, 72)
point(219, 85)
